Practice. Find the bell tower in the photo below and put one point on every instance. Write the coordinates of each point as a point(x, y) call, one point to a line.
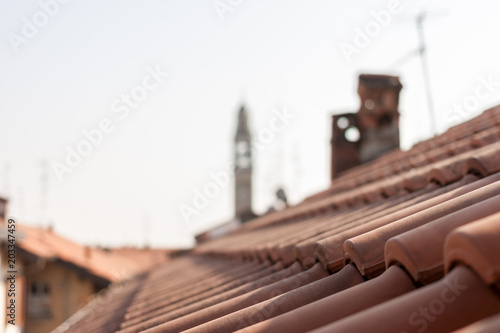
point(243, 169)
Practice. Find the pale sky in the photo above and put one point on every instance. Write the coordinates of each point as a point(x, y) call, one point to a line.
point(70, 73)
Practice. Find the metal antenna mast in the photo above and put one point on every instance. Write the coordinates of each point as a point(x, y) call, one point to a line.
point(422, 52)
point(146, 226)
point(425, 69)
point(44, 191)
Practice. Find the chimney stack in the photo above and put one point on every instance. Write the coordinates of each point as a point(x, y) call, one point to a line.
point(371, 132)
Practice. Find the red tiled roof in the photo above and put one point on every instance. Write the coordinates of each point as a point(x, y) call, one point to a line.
point(112, 266)
point(405, 243)
point(144, 258)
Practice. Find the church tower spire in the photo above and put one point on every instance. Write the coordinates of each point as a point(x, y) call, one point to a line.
point(243, 168)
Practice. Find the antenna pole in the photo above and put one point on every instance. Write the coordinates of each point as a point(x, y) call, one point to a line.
point(425, 70)
point(44, 192)
point(146, 224)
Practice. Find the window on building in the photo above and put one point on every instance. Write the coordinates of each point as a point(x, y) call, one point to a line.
point(39, 300)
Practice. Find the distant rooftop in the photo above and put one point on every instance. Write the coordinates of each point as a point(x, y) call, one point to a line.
point(114, 265)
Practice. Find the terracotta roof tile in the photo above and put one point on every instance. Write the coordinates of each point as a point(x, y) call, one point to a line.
point(155, 300)
point(392, 283)
point(432, 308)
point(420, 250)
point(244, 302)
point(477, 245)
point(488, 325)
point(330, 249)
point(404, 243)
point(367, 249)
point(304, 250)
point(293, 299)
point(153, 319)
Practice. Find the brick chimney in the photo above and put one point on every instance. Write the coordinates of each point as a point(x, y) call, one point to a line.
point(372, 131)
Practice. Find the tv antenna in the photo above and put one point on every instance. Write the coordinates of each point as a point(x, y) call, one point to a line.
point(422, 50)
point(422, 53)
